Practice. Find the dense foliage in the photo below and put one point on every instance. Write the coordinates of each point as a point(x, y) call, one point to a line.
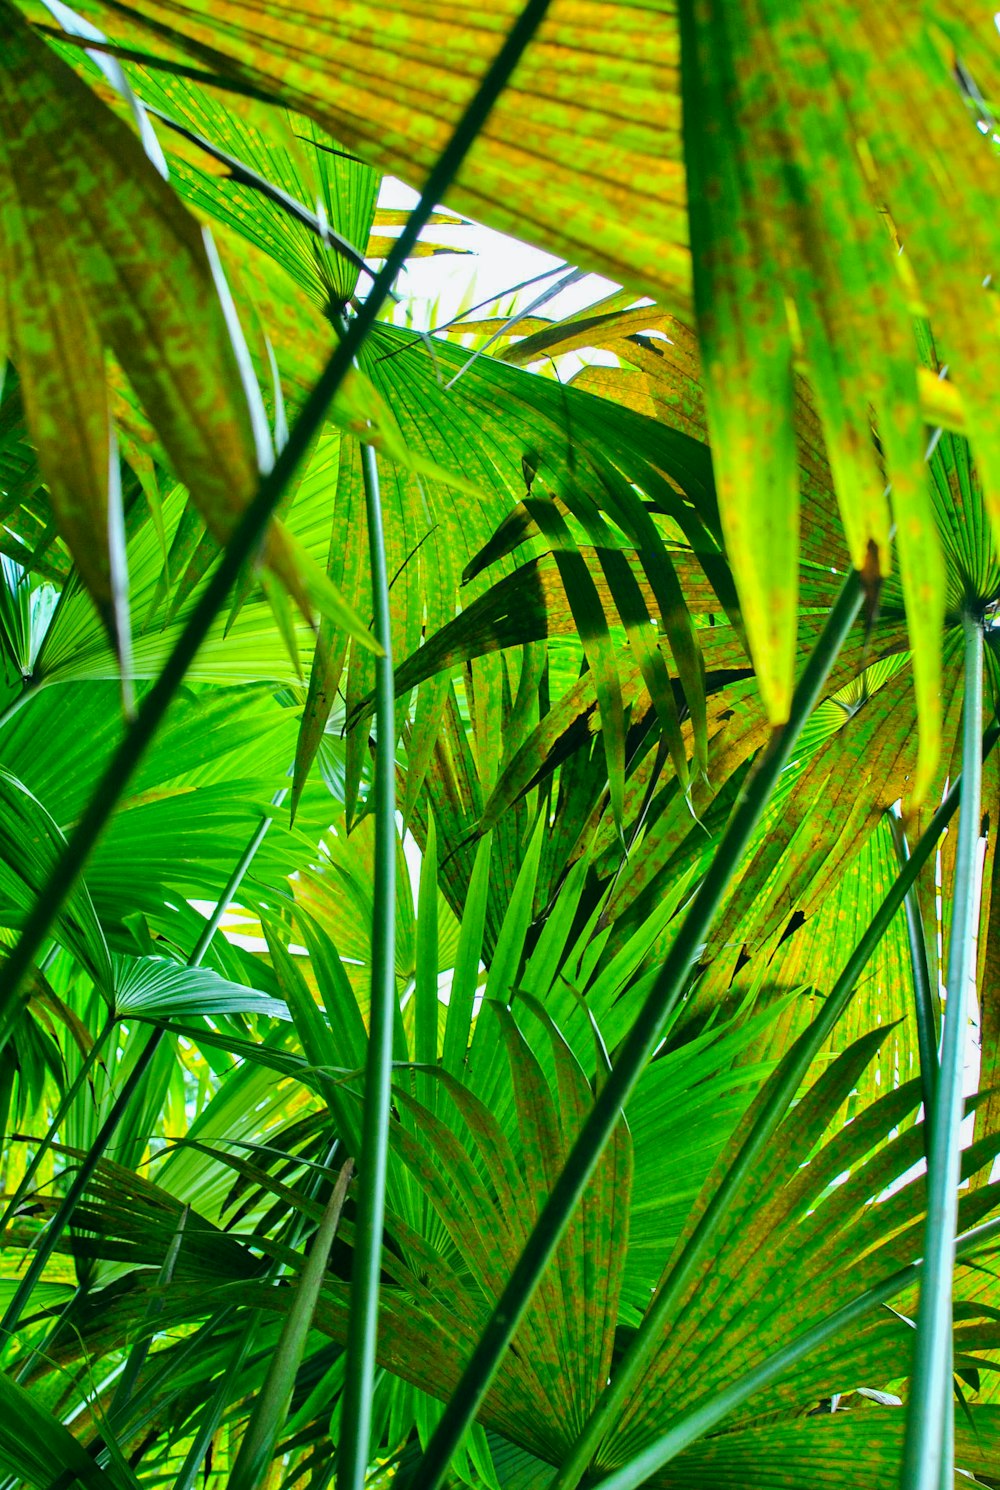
point(497, 823)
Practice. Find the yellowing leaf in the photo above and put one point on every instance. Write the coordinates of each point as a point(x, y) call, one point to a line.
point(593, 146)
point(940, 401)
point(63, 384)
point(103, 254)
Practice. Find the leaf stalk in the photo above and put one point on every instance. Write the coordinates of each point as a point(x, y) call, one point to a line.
point(59, 1222)
point(707, 1415)
point(791, 1074)
point(923, 997)
point(635, 1051)
point(927, 1445)
point(251, 527)
point(367, 1259)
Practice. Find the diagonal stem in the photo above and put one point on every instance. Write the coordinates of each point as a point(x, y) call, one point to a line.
point(928, 1444)
point(234, 882)
point(270, 1408)
point(59, 1222)
point(139, 1354)
point(367, 1256)
point(54, 1231)
point(705, 1416)
point(785, 1087)
point(635, 1052)
point(250, 529)
point(923, 997)
point(227, 1388)
point(59, 1117)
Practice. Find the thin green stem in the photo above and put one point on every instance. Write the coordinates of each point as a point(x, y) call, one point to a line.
point(137, 1356)
point(175, 68)
point(148, 1401)
point(922, 995)
point(708, 1414)
point(227, 1387)
point(59, 1117)
point(214, 921)
point(54, 1231)
point(930, 1399)
point(784, 1088)
point(366, 1266)
point(425, 1018)
point(249, 531)
point(948, 1444)
point(39, 1351)
point(208, 1426)
point(270, 1407)
point(635, 1051)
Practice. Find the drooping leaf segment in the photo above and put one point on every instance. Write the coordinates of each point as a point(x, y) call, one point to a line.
point(498, 792)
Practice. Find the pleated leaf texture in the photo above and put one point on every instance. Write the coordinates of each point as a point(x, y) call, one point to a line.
point(100, 259)
point(839, 173)
point(581, 153)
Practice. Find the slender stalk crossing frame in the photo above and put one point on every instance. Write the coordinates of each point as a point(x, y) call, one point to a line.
point(226, 1387)
point(53, 1232)
point(249, 531)
point(271, 1405)
point(795, 1067)
point(362, 1323)
point(929, 1441)
point(707, 1415)
point(922, 995)
point(139, 1353)
point(59, 1117)
point(95, 1153)
point(635, 1052)
point(216, 1406)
